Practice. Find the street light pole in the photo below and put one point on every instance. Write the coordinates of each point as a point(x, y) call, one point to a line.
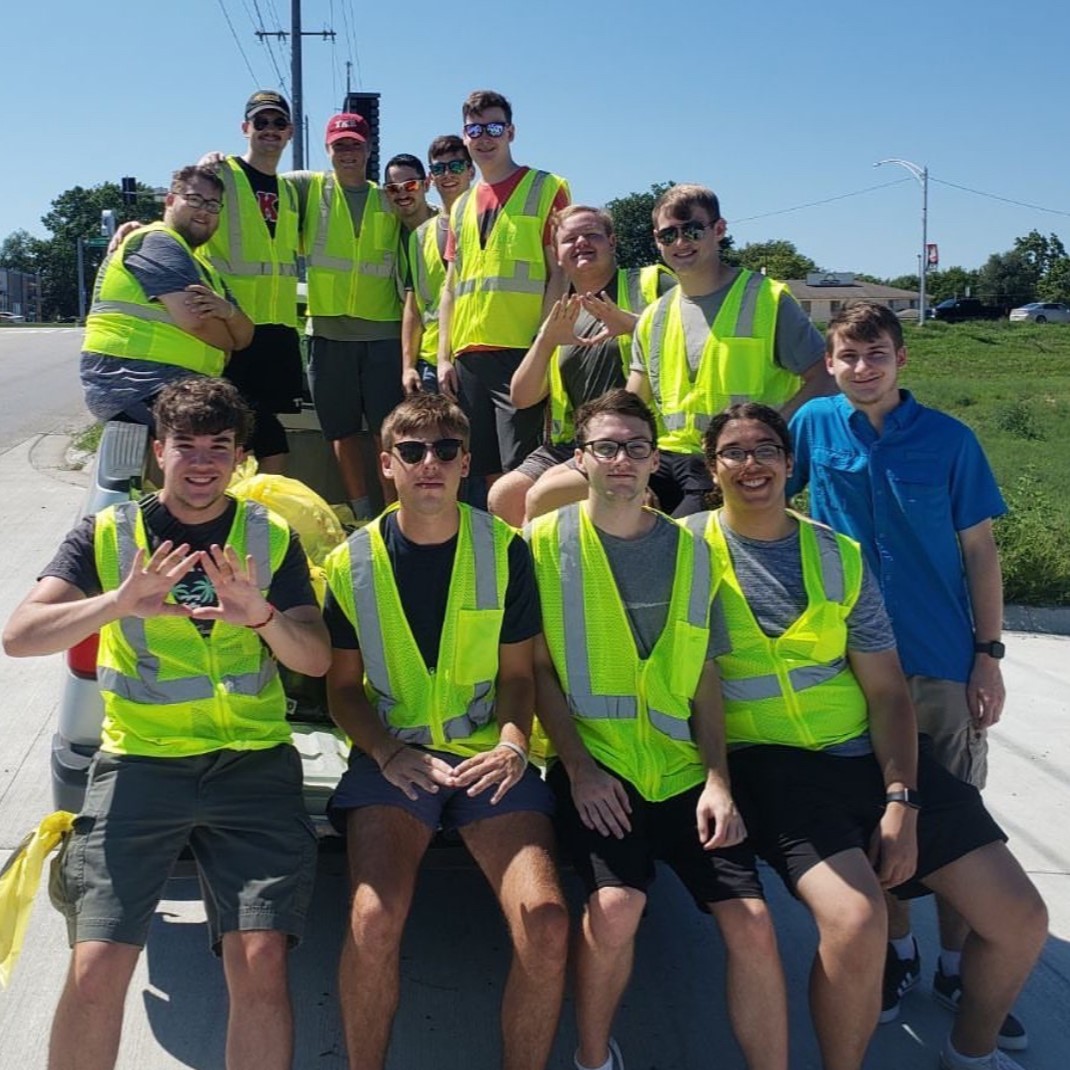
point(922, 176)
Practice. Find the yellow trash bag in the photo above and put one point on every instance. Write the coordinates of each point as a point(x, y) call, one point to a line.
point(18, 886)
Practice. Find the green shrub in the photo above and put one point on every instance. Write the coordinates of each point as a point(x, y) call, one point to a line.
point(1033, 539)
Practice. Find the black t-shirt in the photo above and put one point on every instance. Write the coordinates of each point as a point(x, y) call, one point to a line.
point(75, 561)
point(423, 575)
point(266, 190)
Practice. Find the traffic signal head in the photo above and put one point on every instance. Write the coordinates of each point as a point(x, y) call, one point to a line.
point(128, 187)
point(367, 106)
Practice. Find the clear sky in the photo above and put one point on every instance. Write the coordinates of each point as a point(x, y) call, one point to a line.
point(774, 105)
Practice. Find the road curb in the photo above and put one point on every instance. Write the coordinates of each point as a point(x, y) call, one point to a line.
point(1043, 620)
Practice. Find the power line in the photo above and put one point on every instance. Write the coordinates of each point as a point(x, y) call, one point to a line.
point(267, 43)
point(815, 204)
point(997, 197)
point(233, 33)
point(354, 55)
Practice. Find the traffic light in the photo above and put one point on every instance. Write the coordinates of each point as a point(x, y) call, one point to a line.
point(367, 105)
point(128, 186)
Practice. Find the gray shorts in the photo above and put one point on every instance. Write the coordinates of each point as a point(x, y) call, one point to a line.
point(243, 816)
point(353, 383)
point(363, 784)
point(943, 715)
point(547, 456)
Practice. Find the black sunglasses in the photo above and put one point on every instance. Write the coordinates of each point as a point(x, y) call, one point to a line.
point(262, 122)
point(414, 451)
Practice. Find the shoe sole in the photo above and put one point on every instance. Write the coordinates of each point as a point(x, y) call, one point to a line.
point(892, 1013)
point(1007, 1043)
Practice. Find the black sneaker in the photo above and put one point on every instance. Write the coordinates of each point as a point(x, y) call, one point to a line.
point(947, 989)
point(900, 976)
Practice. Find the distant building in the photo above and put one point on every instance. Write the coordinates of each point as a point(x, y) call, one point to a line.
point(823, 293)
point(20, 294)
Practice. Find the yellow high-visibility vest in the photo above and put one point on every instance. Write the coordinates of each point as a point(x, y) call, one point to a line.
point(168, 691)
point(124, 322)
point(428, 278)
point(632, 714)
point(797, 689)
point(450, 708)
point(737, 364)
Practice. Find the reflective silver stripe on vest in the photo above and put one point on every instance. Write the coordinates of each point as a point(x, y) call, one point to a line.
point(631, 291)
point(698, 604)
point(653, 357)
point(148, 688)
point(318, 257)
point(749, 305)
point(520, 282)
point(237, 264)
point(754, 688)
point(482, 526)
point(129, 308)
point(258, 542)
point(674, 727)
point(696, 523)
point(832, 574)
point(531, 202)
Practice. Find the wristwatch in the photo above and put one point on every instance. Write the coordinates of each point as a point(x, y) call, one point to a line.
point(907, 796)
point(994, 649)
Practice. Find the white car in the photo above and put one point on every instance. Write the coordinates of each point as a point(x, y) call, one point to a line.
point(1041, 312)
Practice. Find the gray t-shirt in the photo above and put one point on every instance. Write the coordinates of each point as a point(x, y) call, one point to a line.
point(344, 328)
point(115, 384)
point(644, 569)
point(798, 344)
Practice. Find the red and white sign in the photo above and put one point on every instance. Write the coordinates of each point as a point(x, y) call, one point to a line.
point(932, 255)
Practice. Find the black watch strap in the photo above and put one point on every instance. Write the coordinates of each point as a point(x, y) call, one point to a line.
point(907, 796)
point(994, 648)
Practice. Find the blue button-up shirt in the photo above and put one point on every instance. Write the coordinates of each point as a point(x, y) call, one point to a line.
point(904, 494)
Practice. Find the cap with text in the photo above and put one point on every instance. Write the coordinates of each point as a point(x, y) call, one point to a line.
point(266, 100)
point(347, 124)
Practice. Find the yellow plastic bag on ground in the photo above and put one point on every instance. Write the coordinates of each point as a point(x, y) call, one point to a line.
point(18, 886)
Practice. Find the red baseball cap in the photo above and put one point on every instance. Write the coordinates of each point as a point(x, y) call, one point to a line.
point(347, 124)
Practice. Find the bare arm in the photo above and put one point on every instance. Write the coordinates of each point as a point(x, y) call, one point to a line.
point(195, 313)
point(531, 380)
point(447, 376)
point(639, 385)
point(985, 692)
point(556, 283)
point(412, 332)
point(816, 382)
point(894, 733)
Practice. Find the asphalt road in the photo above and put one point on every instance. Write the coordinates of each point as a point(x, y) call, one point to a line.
point(456, 949)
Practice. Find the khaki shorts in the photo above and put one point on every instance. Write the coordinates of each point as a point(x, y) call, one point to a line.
point(943, 715)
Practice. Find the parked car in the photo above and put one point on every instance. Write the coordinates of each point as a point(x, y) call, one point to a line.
point(1041, 312)
point(958, 309)
point(11, 317)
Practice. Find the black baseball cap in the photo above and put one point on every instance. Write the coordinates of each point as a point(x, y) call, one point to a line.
point(266, 100)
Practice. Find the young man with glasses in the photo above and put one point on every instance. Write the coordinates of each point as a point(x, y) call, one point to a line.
point(912, 485)
point(724, 335)
point(627, 692)
point(351, 238)
point(582, 350)
point(451, 174)
point(433, 616)
point(406, 188)
point(502, 280)
point(159, 313)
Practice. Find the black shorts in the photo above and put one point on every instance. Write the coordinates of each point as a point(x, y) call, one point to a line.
point(665, 831)
point(682, 483)
point(502, 436)
point(801, 807)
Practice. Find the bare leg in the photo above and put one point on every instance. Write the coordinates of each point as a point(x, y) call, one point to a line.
point(898, 916)
point(953, 929)
point(1008, 925)
point(275, 465)
point(845, 981)
point(260, 1025)
point(605, 949)
point(559, 486)
point(515, 853)
point(89, 1017)
point(350, 457)
point(507, 497)
point(757, 995)
point(385, 845)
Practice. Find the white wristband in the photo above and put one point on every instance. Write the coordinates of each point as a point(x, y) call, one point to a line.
point(515, 748)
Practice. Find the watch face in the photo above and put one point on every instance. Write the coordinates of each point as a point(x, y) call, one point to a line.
point(994, 649)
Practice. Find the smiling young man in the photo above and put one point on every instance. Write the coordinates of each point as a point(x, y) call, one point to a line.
point(627, 692)
point(254, 249)
point(433, 615)
point(351, 239)
point(826, 769)
point(158, 312)
point(502, 280)
point(724, 335)
point(451, 174)
point(912, 485)
point(582, 350)
point(196, 597)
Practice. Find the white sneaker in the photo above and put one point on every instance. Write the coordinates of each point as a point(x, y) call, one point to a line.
point(996, 1060)
point(616, 1060)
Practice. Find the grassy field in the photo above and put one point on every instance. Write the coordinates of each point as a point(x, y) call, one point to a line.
point(1011, 384)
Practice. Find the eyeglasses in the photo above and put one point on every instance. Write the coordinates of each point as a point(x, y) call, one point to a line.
point(414, 451)
point(766, 453)
point(262, 122)
point(692, 230)
point(455, 167)
point(410, 185)
point(609, 449)
point(195, 200)
point(477, 130)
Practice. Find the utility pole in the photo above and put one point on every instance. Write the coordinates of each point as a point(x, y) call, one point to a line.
point(296, 91)
point(921, 174)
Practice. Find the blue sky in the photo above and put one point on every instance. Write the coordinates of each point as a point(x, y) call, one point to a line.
point(773, 105)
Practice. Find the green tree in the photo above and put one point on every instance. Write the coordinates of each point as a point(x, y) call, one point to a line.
point(21, 251)
point(1007, 279)
point(1055, 286)
point(1039, 252)
point(951, 282)
point(778, 258)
